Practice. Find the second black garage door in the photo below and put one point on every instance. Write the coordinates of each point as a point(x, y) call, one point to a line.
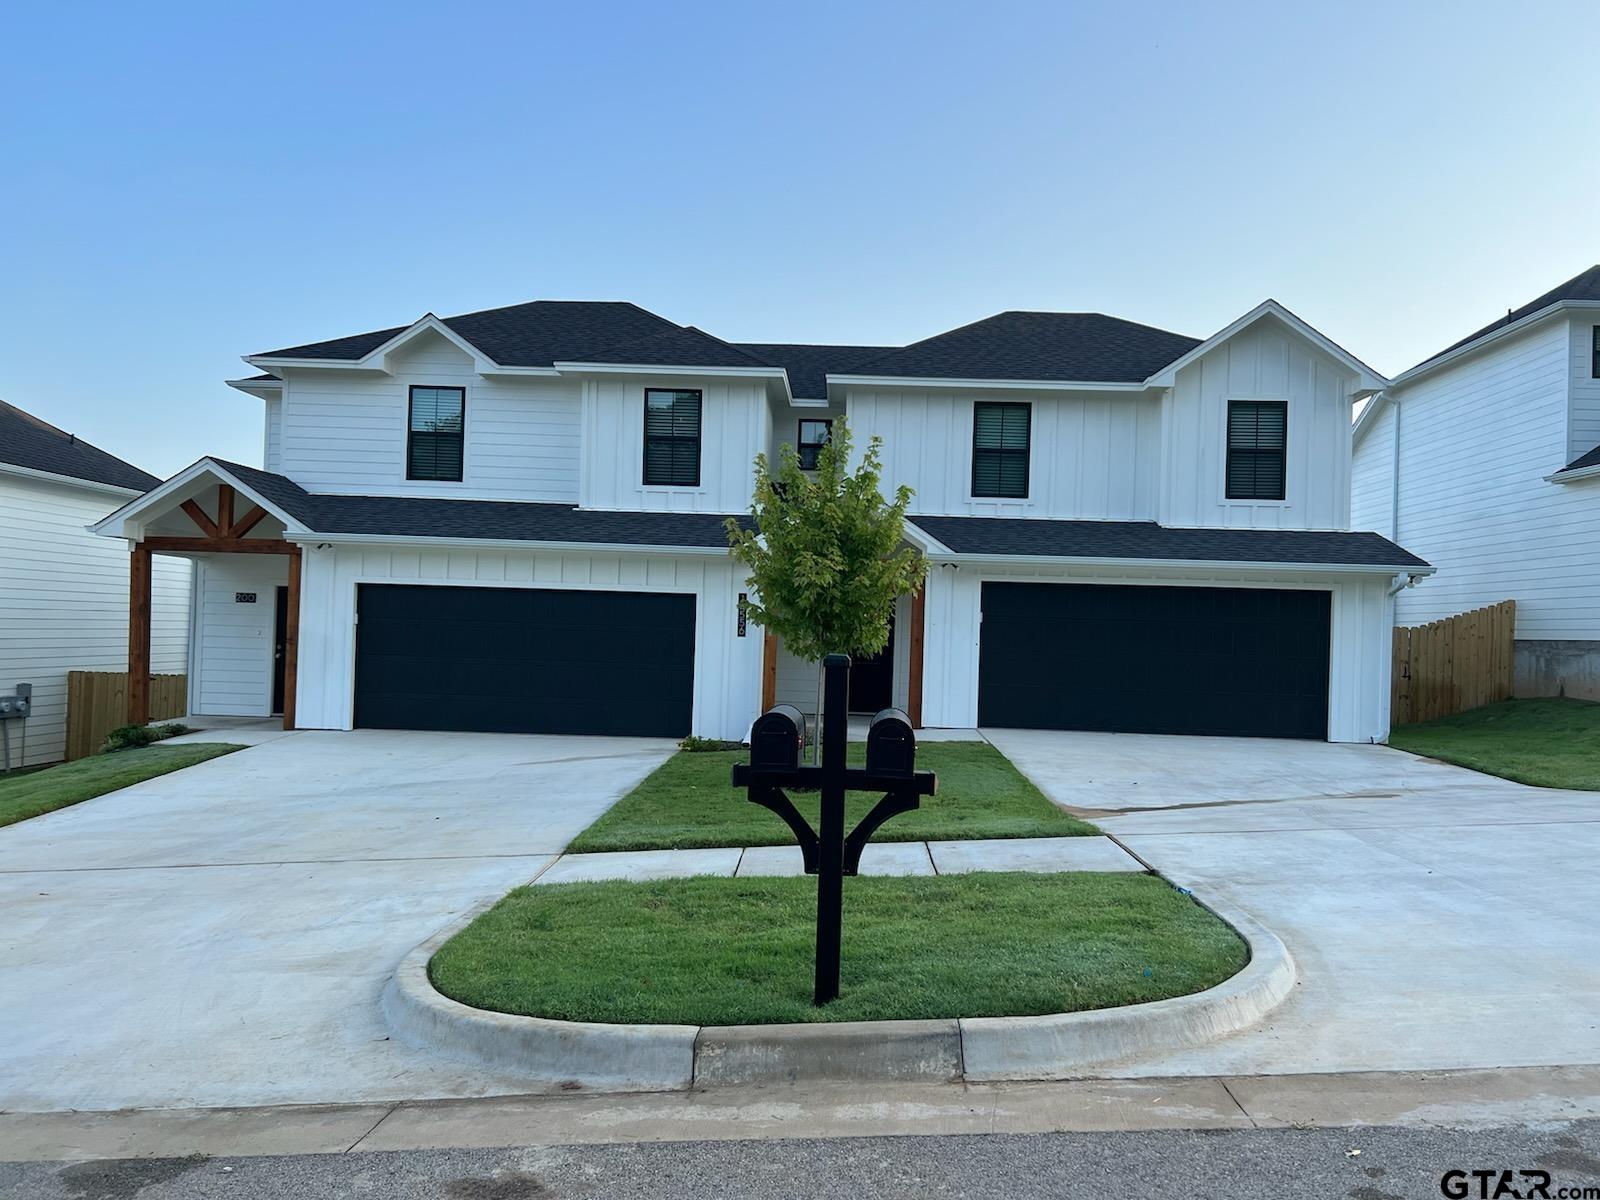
point(521, 660)
point(1236, 661)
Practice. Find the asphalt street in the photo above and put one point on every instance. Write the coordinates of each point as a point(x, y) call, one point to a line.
point(1371, 1163)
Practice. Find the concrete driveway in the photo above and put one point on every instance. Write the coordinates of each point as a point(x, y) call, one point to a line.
point(220, 936)
point(1440, 918)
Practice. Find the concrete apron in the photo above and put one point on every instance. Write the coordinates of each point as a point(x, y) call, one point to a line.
point(622, 1058)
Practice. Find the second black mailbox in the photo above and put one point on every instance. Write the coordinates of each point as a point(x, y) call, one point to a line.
point(891, 744)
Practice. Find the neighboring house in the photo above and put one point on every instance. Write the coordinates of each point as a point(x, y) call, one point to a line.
point(1485, 459)
point(512, 520)
point(64, 591)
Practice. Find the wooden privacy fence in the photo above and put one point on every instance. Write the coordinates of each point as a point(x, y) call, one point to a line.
point(97, 703)
point(1452, 665)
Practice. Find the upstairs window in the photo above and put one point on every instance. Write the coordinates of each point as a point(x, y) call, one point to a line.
point(814, 435)
point(1000, 435)
point(671, 437)
point(434, 444)
point(1594, 366)
point(1257, 437)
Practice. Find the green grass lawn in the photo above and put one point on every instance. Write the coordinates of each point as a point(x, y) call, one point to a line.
point(712, 951)
point(688, 802)
point(28, 795)
point(1550, 742)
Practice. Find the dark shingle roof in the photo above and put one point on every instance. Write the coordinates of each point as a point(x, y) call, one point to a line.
point(809, 366)
point(26, 441)
point(1069, 347)
point(544, 332)
point(1585, 286)
point(1146, 539)
point(417, 516)
point(1582, 462)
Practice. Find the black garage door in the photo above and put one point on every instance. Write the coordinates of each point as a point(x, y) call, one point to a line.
point(518, 660)
point(1241, 661)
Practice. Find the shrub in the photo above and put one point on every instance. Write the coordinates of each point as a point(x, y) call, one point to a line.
point(697, 745)
point(131, 737)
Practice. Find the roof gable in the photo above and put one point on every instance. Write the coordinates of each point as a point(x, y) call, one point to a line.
point(1369, 380)
point(35, 445)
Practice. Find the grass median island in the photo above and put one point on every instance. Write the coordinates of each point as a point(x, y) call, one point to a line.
point(37, 792)
point(688, 803)
point(714, 951)
point(1548, 742)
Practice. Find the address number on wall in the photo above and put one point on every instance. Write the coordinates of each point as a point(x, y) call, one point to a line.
point(244, 597)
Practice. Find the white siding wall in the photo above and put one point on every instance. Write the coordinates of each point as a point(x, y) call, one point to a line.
point(1476, 441)
point(1372, 476)
point(797, 679)
point(345, 431)
point(1093, 455)
point(727, 668)
point(64, 602)
point(1264, 362)
point(736, 425)
point(1584, 432)
point(1358, 686)
point(786, 425)
point(233, 646)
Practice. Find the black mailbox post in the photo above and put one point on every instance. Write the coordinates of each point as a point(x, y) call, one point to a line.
point(775, 742)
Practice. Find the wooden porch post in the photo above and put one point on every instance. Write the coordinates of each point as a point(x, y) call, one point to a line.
point(139, 635)
point(769, 671)
point(914, 681)
point(291, 640)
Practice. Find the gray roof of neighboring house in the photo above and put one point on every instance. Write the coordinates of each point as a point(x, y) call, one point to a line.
point(544, 332)
point(1146, 539)
point(1063, 347)
point(26, 441)
point(501, 520)
point(810, 365)
point(1583, 286)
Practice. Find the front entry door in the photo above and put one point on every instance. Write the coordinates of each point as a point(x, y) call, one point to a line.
point(872, 679)
point(279, 634)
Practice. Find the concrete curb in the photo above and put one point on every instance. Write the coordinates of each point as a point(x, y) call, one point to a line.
point(668, 1057)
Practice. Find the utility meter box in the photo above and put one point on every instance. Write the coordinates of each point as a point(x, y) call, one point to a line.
point(14, 706)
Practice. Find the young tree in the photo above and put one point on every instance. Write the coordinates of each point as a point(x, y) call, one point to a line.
point(827, 559)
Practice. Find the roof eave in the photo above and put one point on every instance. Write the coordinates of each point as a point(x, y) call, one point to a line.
point(311, 537)
point(115, 525)
point(1207, 564)
point(1573, 476)
point(90, 485)
point(1031, 385)
point(1522, 323)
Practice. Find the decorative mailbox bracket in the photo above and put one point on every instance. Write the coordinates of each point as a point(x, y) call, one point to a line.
point(776, 740)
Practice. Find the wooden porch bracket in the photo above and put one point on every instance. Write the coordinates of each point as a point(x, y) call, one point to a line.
point(914, 674)
point(199, 517)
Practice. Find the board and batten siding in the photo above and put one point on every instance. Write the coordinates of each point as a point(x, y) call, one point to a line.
point(64, 602)
point(1360, 654)
point(345, 431)
point(1092, 455)
point(735, 426)
point(727, 667)
point(1477, 439)
point(234, 640)
point(1267, 361)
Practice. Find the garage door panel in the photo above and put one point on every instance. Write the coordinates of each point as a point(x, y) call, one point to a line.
point(524, 660)
point(1232, 661)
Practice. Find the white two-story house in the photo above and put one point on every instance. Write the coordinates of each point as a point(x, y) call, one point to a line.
point(513, 520)
point(1485, 458)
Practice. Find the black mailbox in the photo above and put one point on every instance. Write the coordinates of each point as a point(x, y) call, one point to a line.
point(891, 745)
point(777, 738)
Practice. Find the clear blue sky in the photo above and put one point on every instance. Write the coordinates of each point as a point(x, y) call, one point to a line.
point(185, 183)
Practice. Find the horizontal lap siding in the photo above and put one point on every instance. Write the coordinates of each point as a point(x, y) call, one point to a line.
point(1583, 433)
point(1372, 476)
point(64, 602)
point(727, 667)
point(1476, 441)
point(234, 643)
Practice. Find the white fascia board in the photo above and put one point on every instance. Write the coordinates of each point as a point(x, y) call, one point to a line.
point(261, 388)
point(310, 538)
point(137, 507)
point(376, 359)
point(924, 541)
point(1187, 564)
point(750, 372)
point(1573, 476)
point(1493, 336)
point(1369, 379)
point(1030, 385)
point(88, 485)
point(1369, 415)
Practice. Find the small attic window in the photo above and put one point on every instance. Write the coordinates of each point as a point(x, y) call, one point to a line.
point(1594, 353)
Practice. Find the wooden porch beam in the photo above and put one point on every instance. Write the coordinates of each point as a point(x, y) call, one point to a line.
point(224, 507)
point(914, 681)
point(199, 517)
point(246, 523)
point(291, 640)
point(139, 636)
point(188, 545)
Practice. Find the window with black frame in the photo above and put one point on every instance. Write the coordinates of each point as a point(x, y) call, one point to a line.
point(671, 437)
point(435, 436)
point(1258, 435)
point(814, 435)
point(1594, 367)
point(1000, 440)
